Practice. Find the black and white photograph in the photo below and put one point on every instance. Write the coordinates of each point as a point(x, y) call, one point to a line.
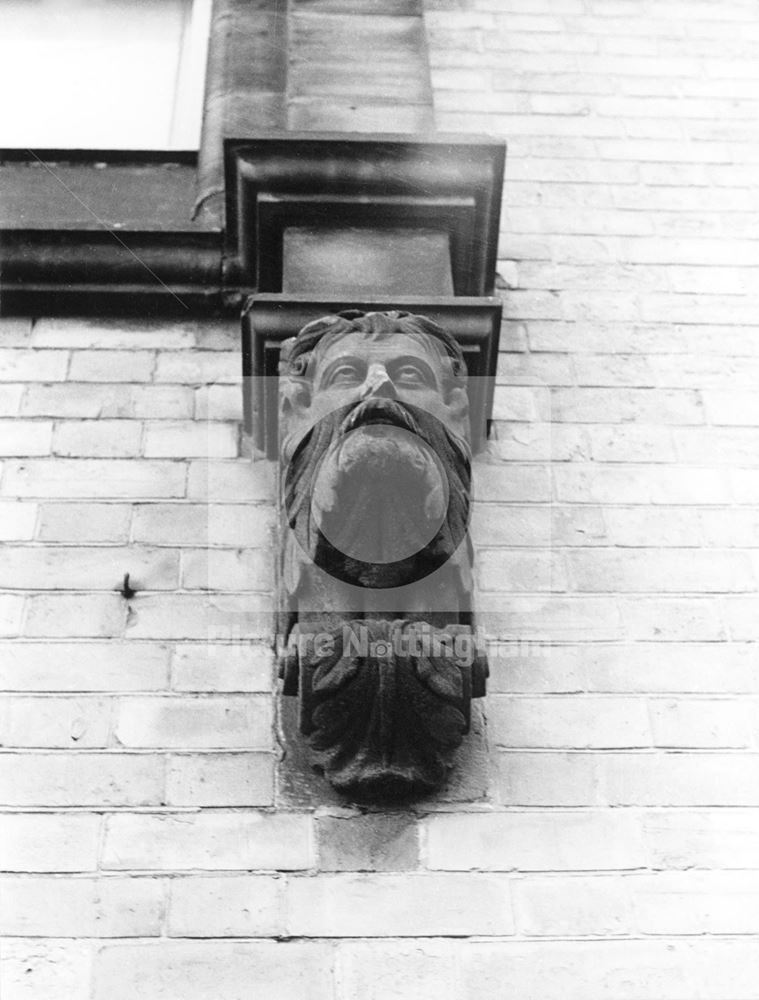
point(379, 499)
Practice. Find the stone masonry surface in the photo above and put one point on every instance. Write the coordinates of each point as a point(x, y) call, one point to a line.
point(610, 848)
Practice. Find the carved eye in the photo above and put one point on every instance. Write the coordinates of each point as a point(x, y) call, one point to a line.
point(410, 374)
point(346, 373)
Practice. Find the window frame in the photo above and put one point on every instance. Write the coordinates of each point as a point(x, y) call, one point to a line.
point(112, 232)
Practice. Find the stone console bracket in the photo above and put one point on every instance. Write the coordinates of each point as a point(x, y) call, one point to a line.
point(269, 319)
point(447, 185)
point(373, 415)
point(317, 223)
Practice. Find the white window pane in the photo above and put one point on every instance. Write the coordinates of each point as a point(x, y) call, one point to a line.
point(107, 74)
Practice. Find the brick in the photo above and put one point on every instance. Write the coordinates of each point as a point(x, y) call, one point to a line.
point(49, 842)
point(112, 334)
point(111, 366)
point(732, 408)
point(11, 611)
point(464, 79)
point(97, 568)
point(729, 526)
point(560, 906)
point(156, 402)
point(608, 406)
point(696, 902)
point(212, 841)
point(521, 403)
point(79, 778)
point(534, 369)
point(230, 482)
point(167, 439)
point(549, 618)
point(194, 616)
point(81, 907)
point(198, 367)
point(583, 970)
point(74, 615)
point(629, 779)
point(97, 438)
point(520, 525)
point(224, 570)
point(33, 366)
point(634, 444)
point(702, 722)
point(78, 666)
point(513, 441)
point(511, 482)
point(25, 437)
point(534, 841)
point(222, 667)
point(654, 570)
point(709, 372)
point(528, 304)
point(533, 570)
point(744, 484)
point(567, 779)
point(17, 520)
point(117, 401)
point(703, 838)
point(741, 616)
point(218, 402)
point(189, 524)
point(84, 522)
point(649, 339)
point(215, 335)
point(641, 527)
point(226, 906)
point(10, 399)
point(196, 970)
point(54, 721)
point(642, 484)
point(538, 442)
point(513, 336)
point(86, 479)
point(220, 779)
point(578, 525)
point(382, 905)
point(398, 970)
point(374, 842)
point(667, 618)
point(36, 968)
point(578, 721)
point(689, 667)
point(194, 721)
point(526, 668)
point(664, 307)
point(659, 250)
point(722, 446)
point(15, 331)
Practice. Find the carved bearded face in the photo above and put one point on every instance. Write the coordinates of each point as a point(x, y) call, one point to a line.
point(374, 435)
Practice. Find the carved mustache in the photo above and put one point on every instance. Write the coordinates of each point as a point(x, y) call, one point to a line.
point(379, 411)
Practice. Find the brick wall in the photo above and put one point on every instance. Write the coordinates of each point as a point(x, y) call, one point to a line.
point(612, 852)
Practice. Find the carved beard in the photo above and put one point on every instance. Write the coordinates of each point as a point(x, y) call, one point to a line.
point(377, 493)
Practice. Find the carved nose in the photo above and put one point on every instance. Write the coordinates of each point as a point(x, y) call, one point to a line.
point(378, 383)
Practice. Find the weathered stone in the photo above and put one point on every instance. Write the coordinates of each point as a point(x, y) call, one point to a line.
point(375, 620)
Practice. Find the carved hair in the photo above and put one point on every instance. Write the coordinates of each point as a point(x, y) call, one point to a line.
point(296, 352)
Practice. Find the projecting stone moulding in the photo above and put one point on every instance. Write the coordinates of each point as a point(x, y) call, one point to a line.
point(372, 405)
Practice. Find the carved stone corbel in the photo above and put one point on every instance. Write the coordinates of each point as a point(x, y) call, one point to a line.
point(376, 624)
point(368, 413)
